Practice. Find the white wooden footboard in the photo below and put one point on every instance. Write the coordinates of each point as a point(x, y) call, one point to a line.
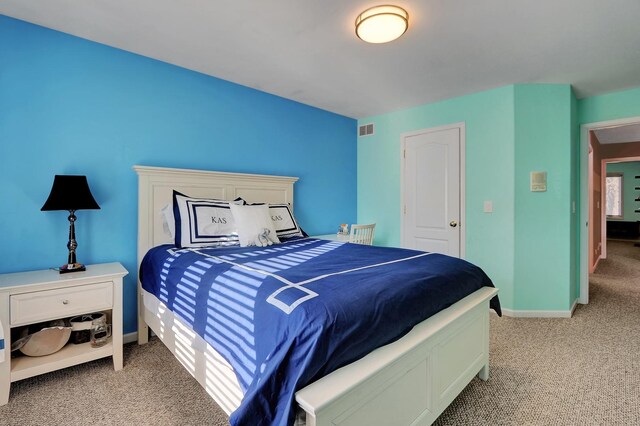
point(411, 381)
point(408, 382)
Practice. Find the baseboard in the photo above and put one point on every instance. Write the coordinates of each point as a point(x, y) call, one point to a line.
point(516, 313)
point(573, 307)
point(130, 337)
point(595, 265)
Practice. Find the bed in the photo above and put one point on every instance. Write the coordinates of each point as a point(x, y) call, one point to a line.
point(409, 381)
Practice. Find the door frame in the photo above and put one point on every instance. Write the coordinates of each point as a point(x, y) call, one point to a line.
point(585, 196)
point(462, 167)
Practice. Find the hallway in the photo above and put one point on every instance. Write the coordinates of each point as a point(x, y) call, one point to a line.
point(615, 284)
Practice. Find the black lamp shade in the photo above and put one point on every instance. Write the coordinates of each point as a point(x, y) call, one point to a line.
point(70, 193)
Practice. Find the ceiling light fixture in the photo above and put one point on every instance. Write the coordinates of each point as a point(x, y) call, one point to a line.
point(382, 24)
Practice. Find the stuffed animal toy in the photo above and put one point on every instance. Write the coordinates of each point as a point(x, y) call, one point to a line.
point(264, 239)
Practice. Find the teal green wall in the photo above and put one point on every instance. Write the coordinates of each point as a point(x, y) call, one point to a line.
point(611, 106)
point(488, 118)
point(543, 220)
point(629, 170)
point(527, 245)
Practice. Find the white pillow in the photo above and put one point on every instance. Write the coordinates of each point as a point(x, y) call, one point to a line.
point(201, 222)
point(254, 224)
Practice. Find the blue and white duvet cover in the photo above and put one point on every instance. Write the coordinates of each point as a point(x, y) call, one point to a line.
point(286, 315)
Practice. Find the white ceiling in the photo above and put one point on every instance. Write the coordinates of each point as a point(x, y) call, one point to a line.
point(307, 50)
point(620, 134)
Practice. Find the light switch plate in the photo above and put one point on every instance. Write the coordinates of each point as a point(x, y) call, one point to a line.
point(488, 206)
point(538, 181)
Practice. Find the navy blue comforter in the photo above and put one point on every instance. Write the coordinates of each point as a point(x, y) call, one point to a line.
point(289, 314)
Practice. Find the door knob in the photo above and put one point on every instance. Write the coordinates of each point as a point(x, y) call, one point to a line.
point(453, 224)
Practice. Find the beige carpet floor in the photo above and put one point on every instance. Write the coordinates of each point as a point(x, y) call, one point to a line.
point(579, 371)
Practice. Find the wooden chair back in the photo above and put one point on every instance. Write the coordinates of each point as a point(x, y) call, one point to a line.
point(362, 234)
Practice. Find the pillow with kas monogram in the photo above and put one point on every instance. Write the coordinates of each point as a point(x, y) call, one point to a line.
point(202, 222)
point(284, 222)
point(169, 222)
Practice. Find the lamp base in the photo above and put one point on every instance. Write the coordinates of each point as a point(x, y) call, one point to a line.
point(72, 267)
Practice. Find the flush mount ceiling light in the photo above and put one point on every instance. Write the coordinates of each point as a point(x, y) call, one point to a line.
point(382, 24)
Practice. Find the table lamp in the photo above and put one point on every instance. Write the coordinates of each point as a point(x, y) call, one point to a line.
point(70, 193)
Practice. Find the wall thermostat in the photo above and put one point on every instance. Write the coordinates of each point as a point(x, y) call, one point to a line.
point(538, 181)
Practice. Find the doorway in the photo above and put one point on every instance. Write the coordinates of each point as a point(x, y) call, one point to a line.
point(621, 198)
point(622, 142)
point(432, 178)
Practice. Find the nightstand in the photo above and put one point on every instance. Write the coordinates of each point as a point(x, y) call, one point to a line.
point(37, 296)
point(333, 237)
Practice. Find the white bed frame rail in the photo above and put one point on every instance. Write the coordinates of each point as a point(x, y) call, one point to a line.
point(408, 382)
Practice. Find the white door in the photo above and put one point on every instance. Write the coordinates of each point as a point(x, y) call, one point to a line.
point(431, 189)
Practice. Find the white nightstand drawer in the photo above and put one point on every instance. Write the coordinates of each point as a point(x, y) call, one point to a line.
point(64, 302)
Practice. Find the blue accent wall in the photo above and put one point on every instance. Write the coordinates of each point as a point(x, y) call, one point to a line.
point(71, 106)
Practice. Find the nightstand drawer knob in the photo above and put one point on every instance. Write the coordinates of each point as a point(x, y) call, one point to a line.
point(65, 302)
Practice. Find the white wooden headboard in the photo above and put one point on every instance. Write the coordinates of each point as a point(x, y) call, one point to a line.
point(155, 190)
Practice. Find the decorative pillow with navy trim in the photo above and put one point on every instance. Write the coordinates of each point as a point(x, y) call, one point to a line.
point(202, 222)
point(169, 221)
point(284, 222)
